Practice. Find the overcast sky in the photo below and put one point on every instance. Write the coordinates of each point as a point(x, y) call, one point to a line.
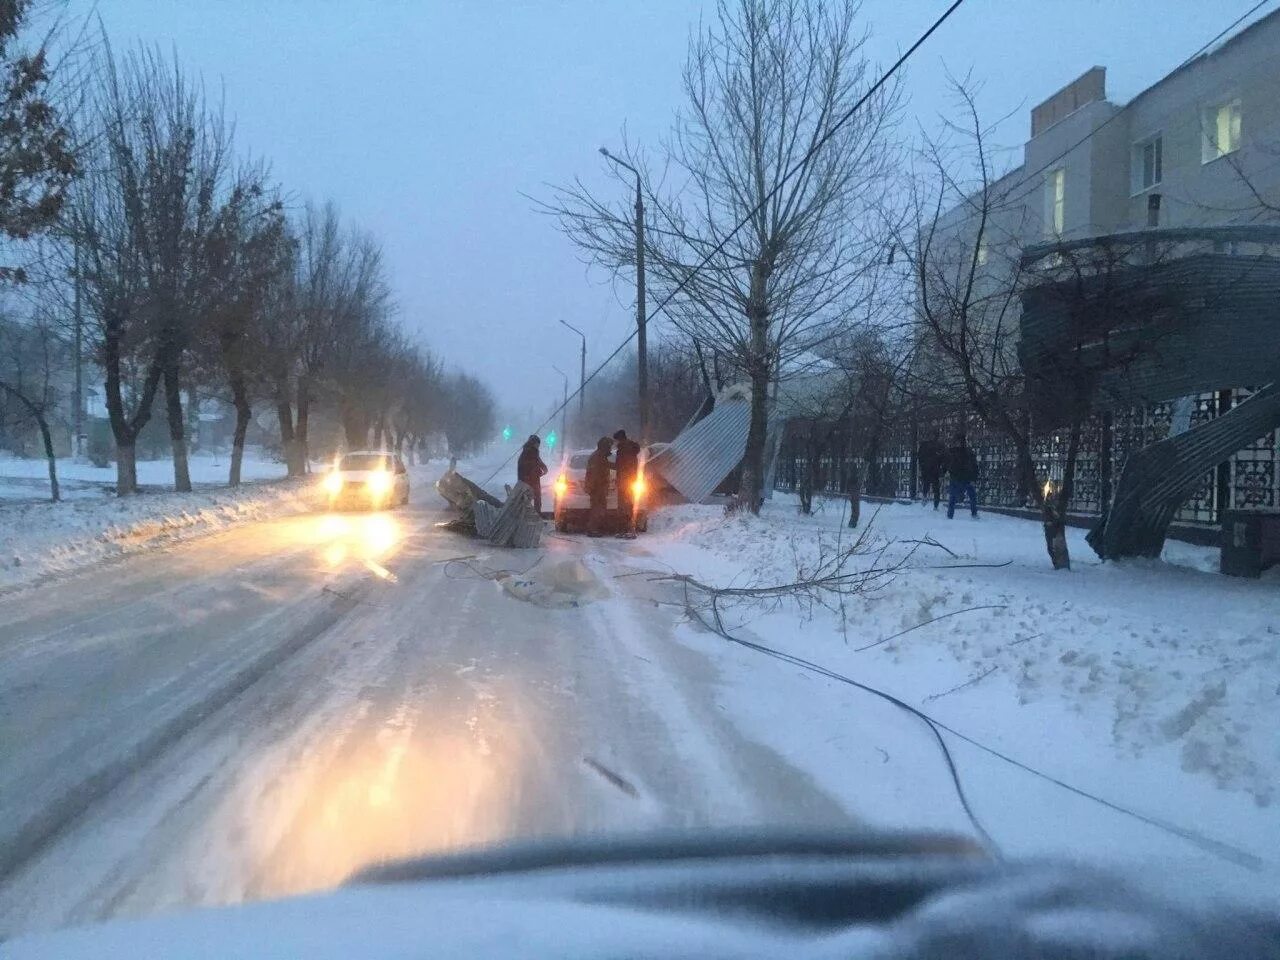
point(428, 121)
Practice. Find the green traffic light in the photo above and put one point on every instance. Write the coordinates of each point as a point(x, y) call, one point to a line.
point(551, 439)
point(506, 433)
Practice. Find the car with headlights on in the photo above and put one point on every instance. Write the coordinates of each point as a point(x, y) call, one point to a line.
point(367, 479)
point(573, 506)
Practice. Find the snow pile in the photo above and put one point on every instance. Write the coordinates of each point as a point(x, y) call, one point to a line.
point(38, 540)
point(1155, 684)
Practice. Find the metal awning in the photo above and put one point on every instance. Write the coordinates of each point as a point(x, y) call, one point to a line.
point(699, 459)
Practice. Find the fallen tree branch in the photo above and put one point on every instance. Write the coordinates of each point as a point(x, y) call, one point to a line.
point(968, 683)
point(930, 542)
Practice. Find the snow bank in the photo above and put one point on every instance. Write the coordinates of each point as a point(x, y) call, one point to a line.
point(1153, 684)
point(39, 540)
point(28, 478)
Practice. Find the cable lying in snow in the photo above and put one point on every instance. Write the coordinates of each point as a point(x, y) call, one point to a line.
point(1218, 848)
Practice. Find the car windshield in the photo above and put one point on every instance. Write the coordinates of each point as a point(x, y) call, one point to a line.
point(364, 461)
point(947, 333)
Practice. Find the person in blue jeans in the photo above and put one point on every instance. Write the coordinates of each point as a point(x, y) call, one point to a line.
point(962, 468)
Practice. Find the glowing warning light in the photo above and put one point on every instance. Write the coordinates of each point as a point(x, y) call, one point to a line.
point(551, 439)
point(506, 433)
point(562, 485)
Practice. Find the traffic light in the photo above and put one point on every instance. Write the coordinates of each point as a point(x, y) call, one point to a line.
point(551, 439)
point(506, 433)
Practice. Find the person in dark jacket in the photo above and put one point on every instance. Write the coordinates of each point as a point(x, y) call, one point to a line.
point(962, 466)
point(626, 464)
point(931, 457)
point(530, 469)
point(597, 484)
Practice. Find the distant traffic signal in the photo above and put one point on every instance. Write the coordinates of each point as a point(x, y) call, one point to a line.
point(551, 439)
point(506, 433)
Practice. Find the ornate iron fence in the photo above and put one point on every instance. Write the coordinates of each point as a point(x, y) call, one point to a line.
point(1249, 481)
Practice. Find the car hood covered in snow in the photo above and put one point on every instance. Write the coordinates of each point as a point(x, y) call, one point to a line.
point(712, 895)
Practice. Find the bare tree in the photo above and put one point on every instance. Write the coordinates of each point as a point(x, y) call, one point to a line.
point(249, 258)
point(970, 279)
point(136, 227)
point(419, 406)
point(963, 244)
point(470, 416)
point(767, 139)
point(31, 356)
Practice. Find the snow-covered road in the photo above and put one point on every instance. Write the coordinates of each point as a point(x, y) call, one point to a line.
point(266, 710)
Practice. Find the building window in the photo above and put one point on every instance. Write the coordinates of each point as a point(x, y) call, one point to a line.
point(1055, 202)
point(1148, 163)
point(1221, 124)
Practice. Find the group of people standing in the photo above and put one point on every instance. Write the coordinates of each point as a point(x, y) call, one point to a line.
point(960, 465)
point(625, 464)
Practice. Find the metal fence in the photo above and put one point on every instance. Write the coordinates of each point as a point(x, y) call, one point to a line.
point(1250, 480)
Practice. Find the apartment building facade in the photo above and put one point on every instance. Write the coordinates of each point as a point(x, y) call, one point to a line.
point(1200, 147)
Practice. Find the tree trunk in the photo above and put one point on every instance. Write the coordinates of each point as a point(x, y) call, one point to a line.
point(177, 431)
point(47, 437)
point(304, 420)
point(1054, 508)
point(240, 397)
point(124, 428)
point(757, 310)
point(355, 427)
point(126, 468)
point(855, 495)
point(288, 441)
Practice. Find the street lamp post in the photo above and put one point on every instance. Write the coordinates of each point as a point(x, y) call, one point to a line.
point(564, 406)
point(641, 348)
point(582, 371)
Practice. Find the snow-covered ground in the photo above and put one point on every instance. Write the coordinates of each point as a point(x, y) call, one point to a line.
point(1153, 685)
point(39, 539)
point(28, 479)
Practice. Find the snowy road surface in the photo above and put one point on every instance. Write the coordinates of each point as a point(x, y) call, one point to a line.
point(266, 710)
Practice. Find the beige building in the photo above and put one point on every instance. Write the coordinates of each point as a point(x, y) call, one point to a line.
point(1199, 147)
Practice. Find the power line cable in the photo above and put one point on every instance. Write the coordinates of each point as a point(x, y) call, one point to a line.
point(746, 219)
point(1219, 848)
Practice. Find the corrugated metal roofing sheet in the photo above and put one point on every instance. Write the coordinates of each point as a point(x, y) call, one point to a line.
point(705, 453)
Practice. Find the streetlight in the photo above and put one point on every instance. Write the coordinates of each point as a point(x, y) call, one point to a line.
point(582, 374)
point(564, 407)
point(641, 350)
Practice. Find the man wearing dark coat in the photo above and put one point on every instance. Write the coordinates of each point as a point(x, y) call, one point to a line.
point(530, 469)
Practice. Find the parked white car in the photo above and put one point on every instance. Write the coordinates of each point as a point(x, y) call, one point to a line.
point(370, 479)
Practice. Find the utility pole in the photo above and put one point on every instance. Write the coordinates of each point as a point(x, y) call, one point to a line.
point(77, 398)
point(582, 369)
point(642, 353)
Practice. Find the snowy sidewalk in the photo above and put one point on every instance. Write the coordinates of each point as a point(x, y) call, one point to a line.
point(1155, 685)
point(39, 539)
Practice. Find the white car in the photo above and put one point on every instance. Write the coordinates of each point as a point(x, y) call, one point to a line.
point(573, 506)
point(367, 478)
